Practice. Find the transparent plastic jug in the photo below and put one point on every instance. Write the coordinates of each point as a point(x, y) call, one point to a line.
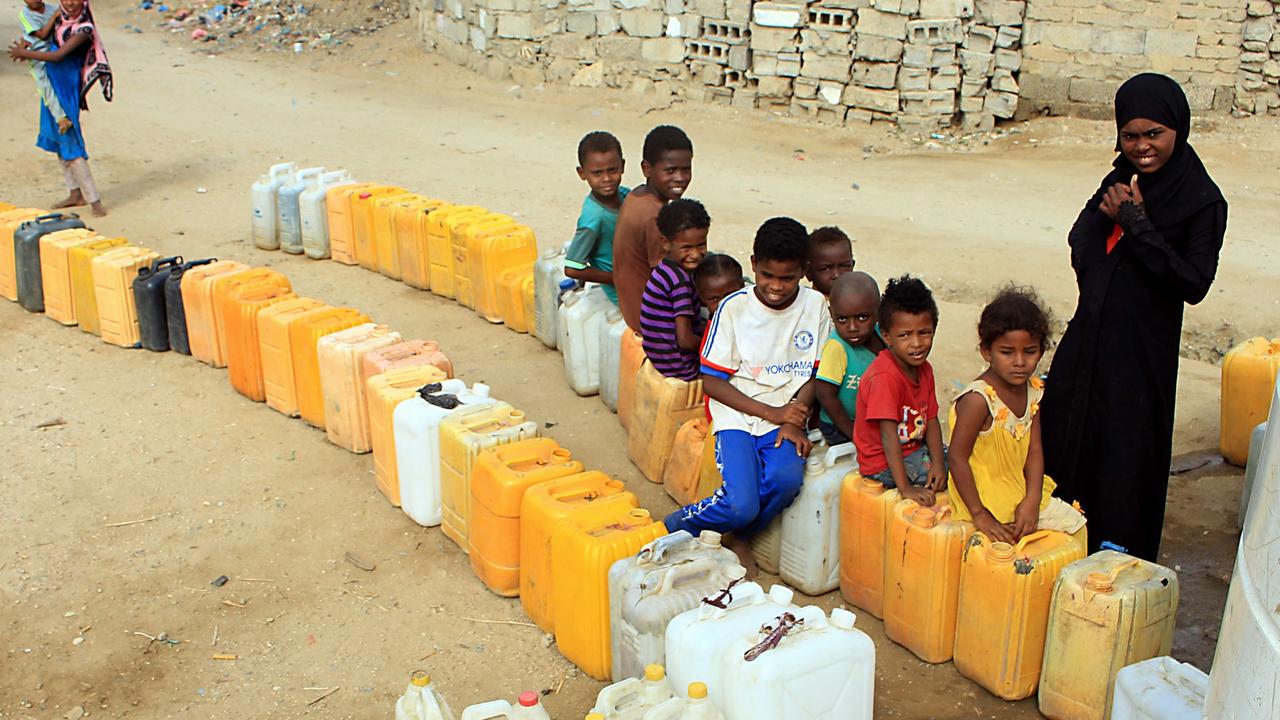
point(527, 707)
point(611, 357)
point(810, 552)
point(667, 577)
point(416, 424)
point(289, 209)
point(632, 697)
point(922, 579)
point(548, 272)
point(263, 196)
point(582, 315)
point(421, 701)
point(314, 213)
point(1164, 689)
point(866, 508)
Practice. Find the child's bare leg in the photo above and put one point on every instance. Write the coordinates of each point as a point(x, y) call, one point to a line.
point(73, 199)
point(99, 210)
point(79, 178)
point(742, 548)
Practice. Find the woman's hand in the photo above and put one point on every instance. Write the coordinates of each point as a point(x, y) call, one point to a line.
point(1026, 517)
point(987, 524)
point(1116, 194)
point(17, 49)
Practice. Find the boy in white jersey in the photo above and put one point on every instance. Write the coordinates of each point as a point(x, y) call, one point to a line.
point(758, 360)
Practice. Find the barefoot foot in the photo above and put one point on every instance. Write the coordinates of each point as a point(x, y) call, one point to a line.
point(75, 199)
point(98, 209)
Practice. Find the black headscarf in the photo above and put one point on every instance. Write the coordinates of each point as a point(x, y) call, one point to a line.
point(1182, 187)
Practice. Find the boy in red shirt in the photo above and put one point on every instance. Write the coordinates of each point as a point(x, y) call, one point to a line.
point(896, 429)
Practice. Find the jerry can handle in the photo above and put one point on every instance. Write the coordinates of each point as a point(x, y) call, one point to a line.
point(1027, 540)
point(50, 217)
point(161, 263)
point(487, 711)
point(198, 263)
point(657, 550)
point(836, 452)
point(1127, 565)
point(678, 574)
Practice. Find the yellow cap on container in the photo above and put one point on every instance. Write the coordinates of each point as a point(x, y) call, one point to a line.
point(697, 690)
point(420, 678)
point(595, 716)
point(654, 672)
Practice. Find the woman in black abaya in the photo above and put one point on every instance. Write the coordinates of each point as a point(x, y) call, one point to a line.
point(1146, 243)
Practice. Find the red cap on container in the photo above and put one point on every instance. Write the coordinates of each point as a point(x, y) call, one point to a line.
point(528, 698)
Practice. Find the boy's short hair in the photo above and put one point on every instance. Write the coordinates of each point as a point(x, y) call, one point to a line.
point(664, 139)
point(829, 235)
point(679, 215)
point(909, 295)
point(1014, 308)
point(781, 238)
point(717, 264)
point(597, 142)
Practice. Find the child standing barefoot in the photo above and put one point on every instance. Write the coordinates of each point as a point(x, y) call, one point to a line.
point(996, 459)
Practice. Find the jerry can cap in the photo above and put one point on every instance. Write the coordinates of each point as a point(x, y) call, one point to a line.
point(567, 284)
point(528, 698)
point(697, 690)
point(654, 672)
point(595, 716)
point(420, 678)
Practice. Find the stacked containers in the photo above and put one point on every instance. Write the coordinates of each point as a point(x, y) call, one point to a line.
point(866, 508)
point(440, 246)
point(55, 272)
point(1003, 613)
point(304, 335)
point(416, 424)
point(684, 468)
point(583, 554)
point(385, 391)
point(276, 350)
point(411, 237)
point(662, 405)
point(240, 311)
point(113, 274)
point(668, 576)
point(25, 254)
point(462, 436)
point(501, 476)
point(197, 300)
point(337, 202)
point(223, 286)
point(342, 385)
point(83, 295)
point(1248, 376)
point(576, 499)
point(1109, 610)
point(922, 579)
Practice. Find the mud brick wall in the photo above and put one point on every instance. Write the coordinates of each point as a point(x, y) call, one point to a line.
point(921, 64)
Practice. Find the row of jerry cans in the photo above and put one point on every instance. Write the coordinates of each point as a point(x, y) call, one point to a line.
point(651, 698)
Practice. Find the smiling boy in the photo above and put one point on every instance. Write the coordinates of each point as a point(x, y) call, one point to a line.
point(848, 352)
point(590, 254)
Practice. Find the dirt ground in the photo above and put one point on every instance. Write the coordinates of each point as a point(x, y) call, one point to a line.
point(226, 487)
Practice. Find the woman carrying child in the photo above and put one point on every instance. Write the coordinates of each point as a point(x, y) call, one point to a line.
point(78, 62)
point(996, 457)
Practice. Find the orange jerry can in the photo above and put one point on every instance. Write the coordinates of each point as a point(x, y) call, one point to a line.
point(548, 505)
point(409, 353)
point(113, 274)
point(1248, 380)
point(496, 254)
point(683, 472)
point(1005, 593)
point(84, 298)
point(304, 336)
point(342, 246)
point(55, 271)
point(660, 406)
point(363, 235)
point(440, 245)
point(240, 309)
point(386, 390)
point(385, 232)
point(465, 234)
point(411, 238)
point(223, 286)
point(463, 435)
point(346, 408)
point(498, 484)
point(197, 305)
point(511, 298)
point(580, 582)
point(9, 222)
point(866, 508)
point(6, 207)
point(628, 368)
point(276, 351)
point(922, 579)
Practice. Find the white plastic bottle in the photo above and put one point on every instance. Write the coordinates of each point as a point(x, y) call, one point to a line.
point(1162, 689)
point(263, 199)
point(581, 316)
point(416, 431)
point(611, 357)
point(699, 707)
point(809, 558)
point(421, 701)
point(288, 217)
point(313, 209)
point(528, 707)
point(632, 698)
point(548, 273)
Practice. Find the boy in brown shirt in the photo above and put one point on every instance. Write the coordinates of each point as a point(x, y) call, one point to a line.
point(667, 164)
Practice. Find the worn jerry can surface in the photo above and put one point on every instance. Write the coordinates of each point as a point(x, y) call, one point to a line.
point(304, 337)
point(406, 354)
point(338, 208)
point(113, 274)
point(545, 506)
point(175, 309)
point(9, 222)
point(244, 348)
point(922, 579)
point(225, 285)
point(866, 508)
point(84, 297)
point(362, 223)
point(440, 246)
point(197, 301)
point(26, 256)
point(384, 391)
point(463, 435)
point(1248, 377)
point(661, 406)
point(55, 271)
point(410, 219)
point(346, 409)
point(499, 480)
point(276, 351)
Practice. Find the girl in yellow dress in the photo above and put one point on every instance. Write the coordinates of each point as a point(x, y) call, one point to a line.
point(996, 459)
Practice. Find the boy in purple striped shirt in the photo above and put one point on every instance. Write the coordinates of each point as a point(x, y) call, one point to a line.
point(669, 307)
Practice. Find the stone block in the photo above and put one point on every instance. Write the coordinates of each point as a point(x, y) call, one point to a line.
point(730, 33)
point(874, 47)
point(972, 87)
point(929, 102)
point(1008, 37)
point(561, 70)
point(899, 7)
point(1248, 46)
point(1271, 69)
point(934, 32)
point(739, 79)
point(642, 23)
point(778, 15)
point(775, 64)
point(1001, 104)
point(515, 26)
point(977, 121)
point(740, 57)
point(977, 63)
point(766, 39)
point(773, 86)
point(885, 101)
point(1117, 42)
point(1010, 60)
point(913, 79)
point(725, 96)
point(663, 50)
point(1259, 8)
point(825, 67)
point(1171, 42)
point(708, 51)
point(478, 40)
point(711, 9)
point(828, 42)
point(1008, 12)
point(1003, 81)
point(875, 75)
point(1046, 92)
point(831, 92)
point(737, 10)
point(672, 7)
point(618, 47)
point(882, 24)
point(684, 26)
point(945, 78)
point(1075, 38)
point(581, 23)
point(922, 124)
point(636, 4)
point(743, 99)
point(805, 88)
point(607, 23)
point(971, 103)
point(1259, 30)
point(980, 38)
point(591, 76)
point(946, 8)
point(707, 73)
point(830, 113)
point(836, 20)
point(1092, 92)
point(928, 56)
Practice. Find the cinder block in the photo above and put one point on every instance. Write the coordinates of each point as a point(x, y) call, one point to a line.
point(773, 86)
point(831, 93)
point(618, 47)
point(1045, 92)
point(635, 4)
point(823, 41)
point(1000, 104)
point(737, 10)
point(875, 75)
point(946, 8)
point(805, 88)
point(607, 23)
point(929, 56)
point(831, 19)
point(778, 15)
point(581, 23)
point(945, 78)
point(663, 50)
point(740, 57)
point(671, 7)
point(1173, 42)
point(767, 39)
point(1008, 37)
point(826, 67)
point(1115, 41)
point(720, 95)
point(972, 86)
point(725, 31)
point(885, 101)
point(780, 105)
point(711, 9)
point(977, 63)
point(922, 123)
point(913, 79)
point(899, 7)
point(980, 38)
point(707, 73)
point(862, 116)
point(1010, 60)
point(739, 79)
point(478, 39)
point(515, 26)
point(743, 99)
point(642, 23)
point(875, 47)
point(929, 102)
point(684, 26)
point(708, 51)
point(889, 25)
point(1007, 12)
point(971, 104)
point(934, 32)
point(977, 121)
point(775, 64)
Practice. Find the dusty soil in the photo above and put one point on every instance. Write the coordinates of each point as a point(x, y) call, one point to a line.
point(227, 487)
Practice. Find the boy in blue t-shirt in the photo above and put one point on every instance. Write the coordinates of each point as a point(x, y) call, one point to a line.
point(589, 257)
point(851, 348)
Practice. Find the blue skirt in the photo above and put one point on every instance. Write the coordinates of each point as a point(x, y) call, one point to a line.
point(65, 78)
